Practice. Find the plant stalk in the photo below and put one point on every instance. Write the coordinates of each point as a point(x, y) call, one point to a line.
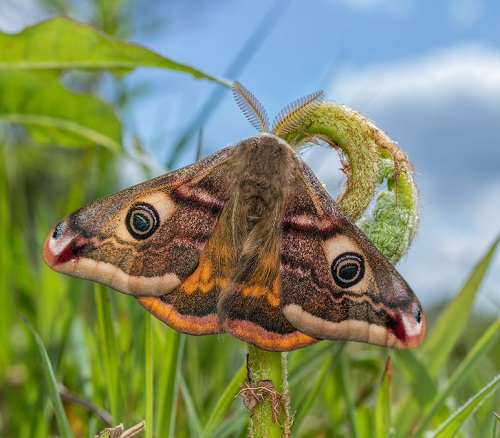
point(271, 366)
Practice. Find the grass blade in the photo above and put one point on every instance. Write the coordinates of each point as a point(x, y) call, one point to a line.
point(422, 386)
point(383, 409)
point(108, 349)
point(495, 426)
point(223, 403)
point(453, 320)
point(453, 425)
point(149, 393)
point(348, 397)
point(193, 419)
point(62, 421)
point(312, 395)
point(461, 373)
point(171, 344)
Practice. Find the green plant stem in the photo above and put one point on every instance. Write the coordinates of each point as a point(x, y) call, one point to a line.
point(268, 365)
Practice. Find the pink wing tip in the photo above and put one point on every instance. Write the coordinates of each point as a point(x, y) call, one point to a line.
point(62, 245)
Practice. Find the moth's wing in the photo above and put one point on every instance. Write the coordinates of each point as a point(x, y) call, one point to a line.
point(335, 284)
point(147, 240)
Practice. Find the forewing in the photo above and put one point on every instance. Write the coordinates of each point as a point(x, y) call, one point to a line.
point(144, 240)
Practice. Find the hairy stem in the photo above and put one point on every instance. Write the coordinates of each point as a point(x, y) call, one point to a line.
point(268, 366)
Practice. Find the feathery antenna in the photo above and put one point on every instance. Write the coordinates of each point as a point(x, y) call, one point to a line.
point(290, 117)
point(251, 107)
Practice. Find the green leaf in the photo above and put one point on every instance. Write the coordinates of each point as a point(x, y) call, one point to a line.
point(62, 421)
point(453, 425)
point(171, 345)
point(62, 43)
point(453, 321)
point(52, 113)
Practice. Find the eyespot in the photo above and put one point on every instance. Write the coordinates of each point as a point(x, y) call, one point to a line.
point(142, 220)
point(348, 269)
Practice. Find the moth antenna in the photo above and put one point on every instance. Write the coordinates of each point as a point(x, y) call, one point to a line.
point(295, 113)
point(251, 107)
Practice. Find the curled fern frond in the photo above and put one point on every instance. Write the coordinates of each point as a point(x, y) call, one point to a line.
point(251, 107)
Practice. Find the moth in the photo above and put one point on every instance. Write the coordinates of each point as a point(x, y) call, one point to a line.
point(246, 241)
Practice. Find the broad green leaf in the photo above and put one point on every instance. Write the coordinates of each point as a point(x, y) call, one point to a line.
point(451, 324)
point(453, 425)
point(53, 113)
point(62, 43)
point(62, 421)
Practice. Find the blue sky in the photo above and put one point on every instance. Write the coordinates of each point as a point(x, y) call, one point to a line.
point(426, 72)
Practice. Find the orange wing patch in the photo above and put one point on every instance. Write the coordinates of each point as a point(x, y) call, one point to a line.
point(185, 323)
point(259, 290)
point(192, 307)
point(203, 279)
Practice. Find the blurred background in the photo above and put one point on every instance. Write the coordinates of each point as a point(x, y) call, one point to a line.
point(427, 73)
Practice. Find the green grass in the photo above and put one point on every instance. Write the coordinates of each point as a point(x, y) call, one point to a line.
point(105, 348)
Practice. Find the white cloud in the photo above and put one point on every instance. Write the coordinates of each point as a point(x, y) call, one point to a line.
point(469, 70)
point(444, 109)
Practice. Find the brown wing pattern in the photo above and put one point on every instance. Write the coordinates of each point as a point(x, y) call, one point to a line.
point(334, 283)
point(245, 241)
point(146, 239)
